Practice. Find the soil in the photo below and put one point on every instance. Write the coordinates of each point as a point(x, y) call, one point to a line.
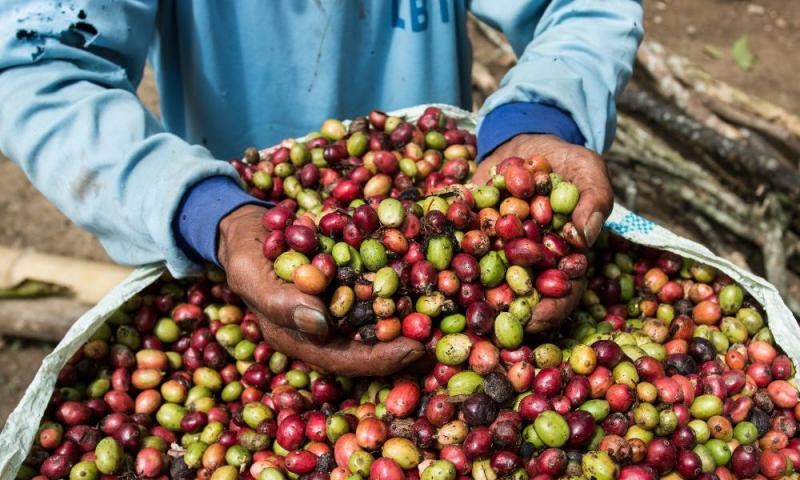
point(19, 361)
point(691, 27)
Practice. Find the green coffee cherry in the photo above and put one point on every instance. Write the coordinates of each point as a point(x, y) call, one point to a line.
point(287, 263)
point(391, 213)
point(519, 280)
point(597, 408)
point(262, 180)
point(333, 130)
point(439, 252)
point(464, 383)
point(751, 319)
point(564, 197)
point(341, 254)
point(731, 298)
point(508, 331)
point(169, 416)
point(108, 456)
point(86, 470)
point(486, 196)
point(360, 462)
point(453, 349)
point(551, 428)
point(454, 323)
point(706, 406)
point(439, 470)
point(299, 154)
point(492, 269)
point(256, 412)
point(357, 144)
point(386, 283)
point(598, 465)
point(373, 254)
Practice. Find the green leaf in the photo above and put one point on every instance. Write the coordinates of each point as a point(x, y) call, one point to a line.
point(742, 55)
point(32, 289)
point(713, 52)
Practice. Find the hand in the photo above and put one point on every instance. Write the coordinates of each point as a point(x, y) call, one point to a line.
point(293, 322)
point(588, 172)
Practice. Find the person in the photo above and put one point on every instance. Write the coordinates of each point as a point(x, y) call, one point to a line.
point(250, 72)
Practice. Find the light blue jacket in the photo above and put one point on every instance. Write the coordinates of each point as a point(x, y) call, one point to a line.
point(251, 72)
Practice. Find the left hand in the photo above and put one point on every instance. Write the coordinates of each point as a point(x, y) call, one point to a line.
point(587, 171)
point(293, 322)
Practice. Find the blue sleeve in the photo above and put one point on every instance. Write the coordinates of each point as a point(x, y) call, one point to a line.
point(576, 55)
point(72, 121)
point(512, 119)
point(201, 210)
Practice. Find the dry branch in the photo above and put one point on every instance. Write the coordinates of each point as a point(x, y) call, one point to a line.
point(775, 120)
point(671, 121)
point(651, 56)
point(46, 319)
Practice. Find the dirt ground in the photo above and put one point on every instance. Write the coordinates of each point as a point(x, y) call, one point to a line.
point(693, 28)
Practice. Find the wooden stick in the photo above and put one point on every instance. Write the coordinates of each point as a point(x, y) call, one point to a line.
point(45, 319)
point(754, 164)
point(774, 253)
point(756, 123)
point(651, 56)
point(635, 142)
point(783, 124)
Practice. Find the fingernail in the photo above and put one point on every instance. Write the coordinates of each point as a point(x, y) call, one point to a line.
point(593, 227)
point(310, 320)
point(412, 356)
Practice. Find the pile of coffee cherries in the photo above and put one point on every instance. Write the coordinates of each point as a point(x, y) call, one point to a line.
point(397, 246)
point(666, 369)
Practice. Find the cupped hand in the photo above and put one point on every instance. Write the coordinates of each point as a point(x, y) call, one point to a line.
point(293, 322)
point(587, 171)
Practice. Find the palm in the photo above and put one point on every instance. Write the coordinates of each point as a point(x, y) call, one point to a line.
point(585, 169)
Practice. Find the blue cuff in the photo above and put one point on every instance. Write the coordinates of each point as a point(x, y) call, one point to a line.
point(202, 208)
point(511, 119)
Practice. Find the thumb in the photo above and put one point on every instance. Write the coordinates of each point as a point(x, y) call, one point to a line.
point(287, 306)
point(588, 171)
point(253, 277)
point(591, 212)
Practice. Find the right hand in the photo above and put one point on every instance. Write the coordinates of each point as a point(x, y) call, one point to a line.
point(293, 322)
point(587, 171)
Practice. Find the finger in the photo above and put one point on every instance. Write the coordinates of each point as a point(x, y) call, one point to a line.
point(421, 366)
point(253, 277)
point(550, 312)
point(319, 369)
point(483, 172)
point(481, 176)
point(343, 356)
point(597, 197)
point(289, 307)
